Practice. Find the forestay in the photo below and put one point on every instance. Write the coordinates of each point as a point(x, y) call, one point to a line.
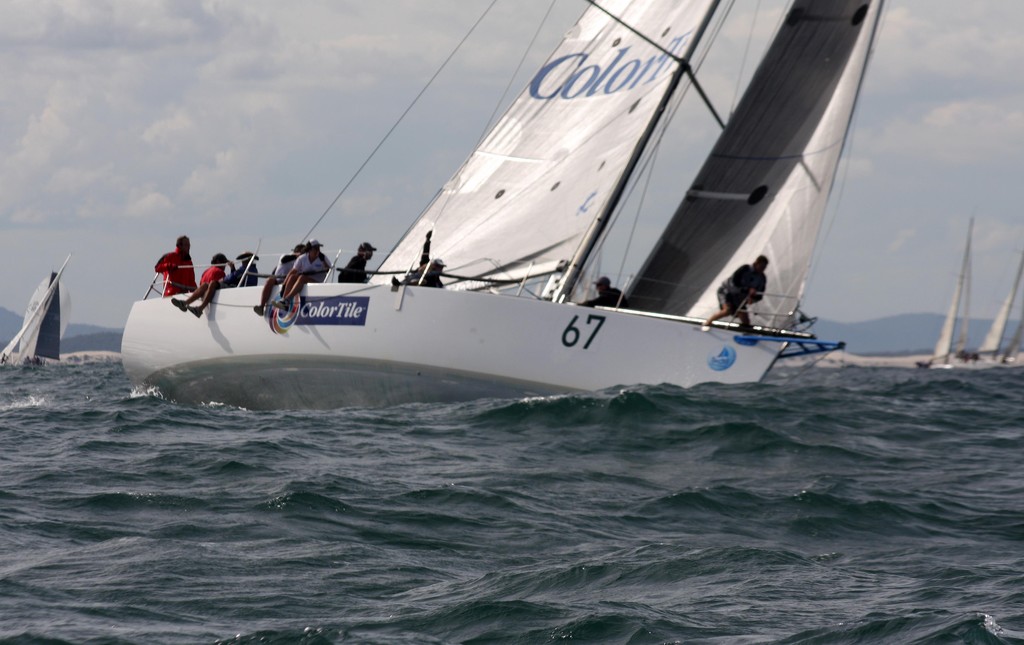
point(524, 199)
point(764, 188)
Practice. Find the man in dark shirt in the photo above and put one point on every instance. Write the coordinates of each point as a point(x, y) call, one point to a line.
point(355, 270)
point(607, 295)
point(428, 275)
point(744, 287)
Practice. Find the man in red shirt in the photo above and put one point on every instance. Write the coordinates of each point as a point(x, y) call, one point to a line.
point(208, 285)
point(179, 276)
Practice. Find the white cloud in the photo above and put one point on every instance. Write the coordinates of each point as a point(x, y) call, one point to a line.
point(47, 131)
point(169, 131)
point(957, 133)
point(207, 183)
point(899, 239)
point(75, 180)
point(145, 203)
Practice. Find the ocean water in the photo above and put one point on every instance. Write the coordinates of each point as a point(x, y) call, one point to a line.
point(851, 505)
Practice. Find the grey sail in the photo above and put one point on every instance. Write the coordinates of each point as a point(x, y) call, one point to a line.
point(48, 339)
point(46, 319)
point(765, 185)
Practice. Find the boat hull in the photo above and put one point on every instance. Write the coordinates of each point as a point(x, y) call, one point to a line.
point(370, 346)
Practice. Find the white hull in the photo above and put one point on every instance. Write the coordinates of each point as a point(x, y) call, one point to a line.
point(980, 364)
point(419, 344)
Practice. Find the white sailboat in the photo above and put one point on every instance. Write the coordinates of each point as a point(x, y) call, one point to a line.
point(992, 345)
point(946, 356)
point(519, 223)
point(943, 357)
point(1013, 347)
point(46, 319)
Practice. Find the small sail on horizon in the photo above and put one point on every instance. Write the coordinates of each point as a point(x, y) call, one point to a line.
point(994, 338)
point(46, 319)
point(944, 345)
point(1013, 348)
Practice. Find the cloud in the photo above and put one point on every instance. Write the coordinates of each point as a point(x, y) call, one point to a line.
point(47, 131)
point(899, 238)
point(956, 133)
point(74, 180)
point(208, 183)
point(147, 203)
point(169, 131)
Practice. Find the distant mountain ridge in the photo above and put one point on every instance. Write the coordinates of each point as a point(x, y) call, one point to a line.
point(902, 334)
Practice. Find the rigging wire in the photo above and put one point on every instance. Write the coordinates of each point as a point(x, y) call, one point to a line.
point(837, 200)
point(387, 136)
point(746, 57)
point(647, 166)
point(501, 100)
point(519, 68)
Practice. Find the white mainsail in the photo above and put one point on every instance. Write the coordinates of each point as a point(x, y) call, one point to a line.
point(1013, 348)
point(764, 188)
point(994, 338)
point(944, 345)
point(523, 201)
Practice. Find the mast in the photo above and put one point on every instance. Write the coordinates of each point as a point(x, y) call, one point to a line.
point(600, 224)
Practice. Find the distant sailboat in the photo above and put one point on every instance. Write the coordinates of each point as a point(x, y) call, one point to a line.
point(988, 354)
point(1010, 355)
point(46, 319)
point(941, 357)
point(991, 345)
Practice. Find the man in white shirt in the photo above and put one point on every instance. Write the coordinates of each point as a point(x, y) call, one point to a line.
point(284, 265)
point(310, 267)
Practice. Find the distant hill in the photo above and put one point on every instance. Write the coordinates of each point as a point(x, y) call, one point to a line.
point(903, 334)
point(10, 323)
point(107, 341)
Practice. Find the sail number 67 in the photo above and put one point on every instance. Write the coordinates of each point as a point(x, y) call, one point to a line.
point(572, 333)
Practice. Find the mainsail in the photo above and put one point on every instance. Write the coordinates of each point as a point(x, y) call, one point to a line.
point(1010, 355)
point(944, 345)
point(995, 333)
point(764, 188)
point(524, 200)
point(46, 318)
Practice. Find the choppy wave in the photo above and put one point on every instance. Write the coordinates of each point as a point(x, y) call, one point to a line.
point(823, 506)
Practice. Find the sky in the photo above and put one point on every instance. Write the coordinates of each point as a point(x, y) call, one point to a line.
point(125, 123)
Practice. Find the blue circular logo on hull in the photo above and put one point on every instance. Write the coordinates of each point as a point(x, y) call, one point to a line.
point(723, 360)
